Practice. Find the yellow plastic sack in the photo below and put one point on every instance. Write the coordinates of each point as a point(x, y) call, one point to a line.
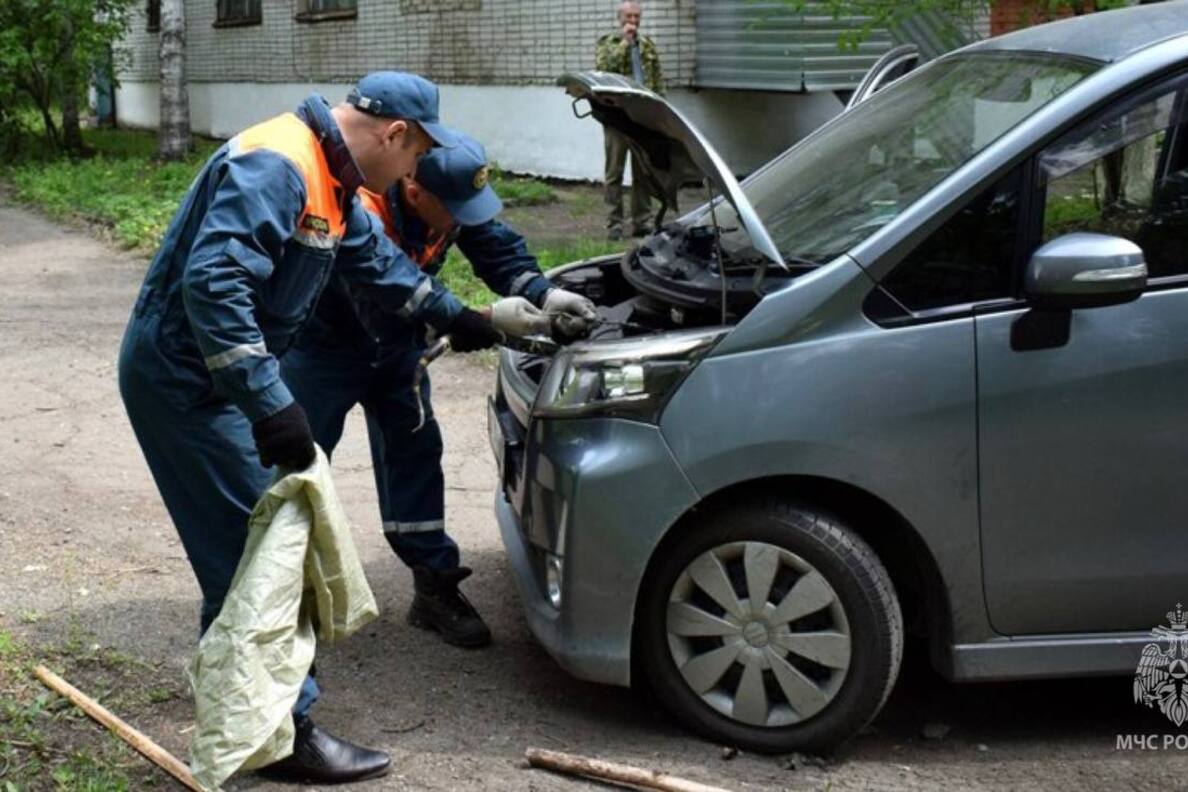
point(299, 577)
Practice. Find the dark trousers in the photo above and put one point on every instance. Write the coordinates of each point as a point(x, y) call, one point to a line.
point(200, 451)
point(408, 476)
point(641, 200)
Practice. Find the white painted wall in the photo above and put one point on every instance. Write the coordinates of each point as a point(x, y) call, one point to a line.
point(526, 129)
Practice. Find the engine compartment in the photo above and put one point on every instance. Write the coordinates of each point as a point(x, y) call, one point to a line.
point(671, 281)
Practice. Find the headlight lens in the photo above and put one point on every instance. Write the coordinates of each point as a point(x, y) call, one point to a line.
point(631, 378)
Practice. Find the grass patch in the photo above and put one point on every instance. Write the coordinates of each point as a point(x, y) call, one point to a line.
point(576, 250)
point(458, 276)
point(121, 189)
point(46, 743)
point(521, 190)
point(125, 191)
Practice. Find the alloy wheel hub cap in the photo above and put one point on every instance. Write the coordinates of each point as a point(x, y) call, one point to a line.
point(755, 633)
point(758, 634)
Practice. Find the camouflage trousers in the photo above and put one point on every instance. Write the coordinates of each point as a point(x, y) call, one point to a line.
point(641, 200)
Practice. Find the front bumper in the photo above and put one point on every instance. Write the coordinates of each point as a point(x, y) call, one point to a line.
point(600, 493)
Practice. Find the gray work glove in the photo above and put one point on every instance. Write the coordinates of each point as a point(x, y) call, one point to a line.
point(573, 315)
point(560, 302)
point(515, 316)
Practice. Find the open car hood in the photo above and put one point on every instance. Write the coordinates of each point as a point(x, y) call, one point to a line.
point(669, 147)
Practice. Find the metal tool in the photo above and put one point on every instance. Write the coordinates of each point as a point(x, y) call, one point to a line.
point(533, 345)
point(439, 348)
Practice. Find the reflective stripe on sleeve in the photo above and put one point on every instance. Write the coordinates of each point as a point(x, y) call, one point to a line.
point(315, 239)
point(522, 280)
point(394, 527)
point(418, 297)
point(229, 356)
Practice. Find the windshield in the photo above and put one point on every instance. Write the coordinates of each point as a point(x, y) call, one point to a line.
point(821, 198)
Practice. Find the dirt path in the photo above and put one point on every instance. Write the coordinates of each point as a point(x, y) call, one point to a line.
point(86, 548)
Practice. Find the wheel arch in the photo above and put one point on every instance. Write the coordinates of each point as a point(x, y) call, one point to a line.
point(922, 594)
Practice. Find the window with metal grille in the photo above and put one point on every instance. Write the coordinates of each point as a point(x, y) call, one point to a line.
point(153, 13)
point(238, 12)
point(317, 10)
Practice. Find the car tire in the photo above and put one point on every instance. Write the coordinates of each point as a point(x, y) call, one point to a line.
point(823, 561)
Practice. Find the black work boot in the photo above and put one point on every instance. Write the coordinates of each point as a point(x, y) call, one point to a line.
point(322, 758)
point(438, 605)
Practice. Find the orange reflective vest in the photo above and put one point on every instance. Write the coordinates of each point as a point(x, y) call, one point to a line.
point(378, 206)
point(321, 223)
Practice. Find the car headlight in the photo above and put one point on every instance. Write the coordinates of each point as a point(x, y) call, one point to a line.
point(631, 378)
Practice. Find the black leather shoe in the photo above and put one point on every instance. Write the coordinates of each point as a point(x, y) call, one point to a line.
point(439, 606)
point(321, 758)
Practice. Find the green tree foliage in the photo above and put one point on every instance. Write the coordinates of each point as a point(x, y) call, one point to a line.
point(48, 51)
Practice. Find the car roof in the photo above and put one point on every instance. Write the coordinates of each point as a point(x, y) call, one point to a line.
point(1103, 36)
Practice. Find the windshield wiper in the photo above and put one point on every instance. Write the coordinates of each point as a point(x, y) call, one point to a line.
point(792, 258)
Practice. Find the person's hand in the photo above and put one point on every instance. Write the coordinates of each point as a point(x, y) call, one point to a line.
point(560, 301)
point(515, 316)
point(629, 31)
point(471, 331)
point(284, 439)
point(573, 315)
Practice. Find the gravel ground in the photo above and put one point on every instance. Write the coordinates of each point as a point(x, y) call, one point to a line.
point(85, 545)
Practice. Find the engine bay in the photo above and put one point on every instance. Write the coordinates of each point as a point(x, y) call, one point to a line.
point(672, 281)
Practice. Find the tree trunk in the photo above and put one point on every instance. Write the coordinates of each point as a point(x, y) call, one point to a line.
point(71, 127)
point(72, 140)
point(51, 131)
point(173, 139)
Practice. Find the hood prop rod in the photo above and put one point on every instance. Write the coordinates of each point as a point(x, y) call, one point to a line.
point(709, 187)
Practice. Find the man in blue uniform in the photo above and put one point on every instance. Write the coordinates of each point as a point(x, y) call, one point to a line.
point(338, 363)
point(271, 216)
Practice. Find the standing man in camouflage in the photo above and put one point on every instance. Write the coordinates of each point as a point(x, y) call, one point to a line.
point(627, 52)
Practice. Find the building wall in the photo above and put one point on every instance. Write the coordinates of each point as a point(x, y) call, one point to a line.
point(496, 61)
point(472, 42)
point(534, 129)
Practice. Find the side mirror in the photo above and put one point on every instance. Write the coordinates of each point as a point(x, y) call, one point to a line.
point(1084, 270)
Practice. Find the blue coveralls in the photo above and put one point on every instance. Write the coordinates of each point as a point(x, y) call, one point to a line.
point(340, 361)
point(270, 217)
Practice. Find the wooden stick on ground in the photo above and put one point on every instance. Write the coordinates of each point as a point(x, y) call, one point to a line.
point(614, 773)
point(153, 752)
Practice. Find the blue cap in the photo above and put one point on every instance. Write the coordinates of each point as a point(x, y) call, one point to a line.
point(459, 177)
point(401, 95)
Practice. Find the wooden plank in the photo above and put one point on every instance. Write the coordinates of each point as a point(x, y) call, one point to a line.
point(149, 749)
point(615, 773)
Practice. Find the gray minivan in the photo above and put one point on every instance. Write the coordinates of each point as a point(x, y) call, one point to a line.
point(926, 371)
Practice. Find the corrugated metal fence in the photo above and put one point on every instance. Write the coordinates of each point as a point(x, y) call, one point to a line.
point(770, 45)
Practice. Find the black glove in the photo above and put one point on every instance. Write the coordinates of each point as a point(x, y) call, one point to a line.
point(284, 439)
point(471, 331)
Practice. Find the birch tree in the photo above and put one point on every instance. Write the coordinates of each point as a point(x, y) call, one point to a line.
point(173, 137)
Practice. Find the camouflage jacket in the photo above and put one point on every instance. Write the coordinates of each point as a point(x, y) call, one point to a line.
point(614, 55)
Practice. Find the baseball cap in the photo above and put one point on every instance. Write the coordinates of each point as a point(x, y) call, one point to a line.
point(459, 178)
point(401, 95)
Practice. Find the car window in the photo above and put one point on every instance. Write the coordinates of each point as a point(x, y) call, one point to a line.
point(969, 259)
point(862, 170)
point(887, 69)
point(1125, 173)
